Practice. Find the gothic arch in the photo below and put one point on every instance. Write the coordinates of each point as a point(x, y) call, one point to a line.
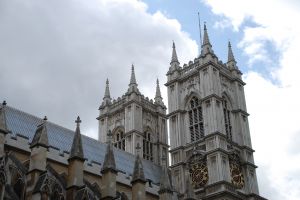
point(117, 129)
point(229, 98)
point(187, 99)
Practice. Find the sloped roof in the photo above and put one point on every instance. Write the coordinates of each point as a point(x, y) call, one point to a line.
point(24, 124)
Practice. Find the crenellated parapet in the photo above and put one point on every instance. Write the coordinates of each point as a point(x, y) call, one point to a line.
point(134, 118)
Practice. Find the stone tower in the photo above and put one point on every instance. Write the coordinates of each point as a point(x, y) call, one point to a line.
point(134, 119)
point(209, 133)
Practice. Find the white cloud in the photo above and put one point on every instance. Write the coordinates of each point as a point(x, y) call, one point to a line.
point(55, 55)
point(274, 108)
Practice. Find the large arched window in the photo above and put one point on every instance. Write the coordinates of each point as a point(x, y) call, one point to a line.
point(227, 121)
point(147, 146)
point(119, 139)
point(196, 120)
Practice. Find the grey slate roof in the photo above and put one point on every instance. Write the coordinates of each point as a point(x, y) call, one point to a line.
point(24, 124)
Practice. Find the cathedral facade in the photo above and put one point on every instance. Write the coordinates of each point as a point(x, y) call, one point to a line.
point(209, 157)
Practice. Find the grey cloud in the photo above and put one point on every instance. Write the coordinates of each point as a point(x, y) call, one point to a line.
point(55, 55)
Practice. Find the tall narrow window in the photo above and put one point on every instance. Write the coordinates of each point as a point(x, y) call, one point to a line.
point(196, 120)
point(227, 121)
point(119, 140)
point(147, 146)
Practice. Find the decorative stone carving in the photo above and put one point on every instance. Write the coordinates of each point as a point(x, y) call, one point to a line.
point(198, 170)
point(237, 177)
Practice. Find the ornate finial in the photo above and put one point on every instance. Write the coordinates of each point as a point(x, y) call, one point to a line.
point(4, 103)
point(78, 121)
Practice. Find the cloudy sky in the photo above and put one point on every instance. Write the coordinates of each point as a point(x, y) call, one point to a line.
point(55, 56)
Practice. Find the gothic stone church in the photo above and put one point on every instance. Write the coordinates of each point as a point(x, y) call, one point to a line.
point(210, 145)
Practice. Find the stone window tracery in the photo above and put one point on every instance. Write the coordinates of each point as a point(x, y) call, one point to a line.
point(17, 181)
point(227, 121)
point(51, 189)
point(195, 120)
point(147, 146)
point(119, 140)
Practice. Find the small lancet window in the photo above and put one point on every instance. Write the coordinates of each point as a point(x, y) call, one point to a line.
point(227, 121)
point(147, 146)
point(119, 140)
point(196, 120)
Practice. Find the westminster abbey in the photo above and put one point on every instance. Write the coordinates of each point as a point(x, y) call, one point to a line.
point(209, 157)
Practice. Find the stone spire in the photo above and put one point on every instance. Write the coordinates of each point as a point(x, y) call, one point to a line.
point(206, 45)
point(158, 98)
point(174, 58)
point(231, 63)
point(40, 137)
point(109, 159)
point(138, 171)
point(107, 92)
point(132, 77)
point(165, 183)
point(106, 98)
point(3, 126)
point(230, 53)
point(205, 37)
point(109, 171)
point(157, 93)
point(138, 178)
point(76, 149)
point(133, 84)
point(76, 161)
